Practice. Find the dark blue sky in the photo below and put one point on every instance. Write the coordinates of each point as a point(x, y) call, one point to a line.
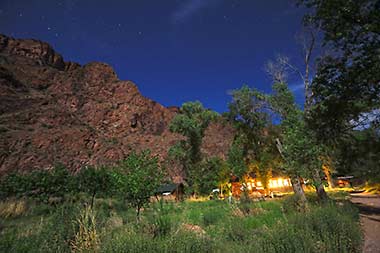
point(175, 51)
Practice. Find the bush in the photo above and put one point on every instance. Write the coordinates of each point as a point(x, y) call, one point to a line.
point(38, 184)
point(162, 225)
point(139, 176)
point(212, 216)
point(293, 204)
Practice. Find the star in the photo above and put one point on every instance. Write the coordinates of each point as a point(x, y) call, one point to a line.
point(49, 28)
point(56, 34)
point(140, 33)
point(20, 14)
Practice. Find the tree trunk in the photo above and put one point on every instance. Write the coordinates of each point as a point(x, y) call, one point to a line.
point(138, 213)
point(298, 190)
point(93, 199)
point(327, 172)
point(319, 187)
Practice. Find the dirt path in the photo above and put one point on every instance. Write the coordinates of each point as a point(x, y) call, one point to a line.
point(369, 206)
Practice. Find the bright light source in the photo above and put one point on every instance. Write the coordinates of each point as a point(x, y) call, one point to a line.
point(280, 182)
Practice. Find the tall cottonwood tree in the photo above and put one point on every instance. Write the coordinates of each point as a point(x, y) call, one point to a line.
point(282, 102)
point(346, 89)
point(253, 145)
point(300, 149)
point(192, 122)
point(347, 83)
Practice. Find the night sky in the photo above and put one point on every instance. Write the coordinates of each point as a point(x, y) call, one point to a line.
point(174, 50)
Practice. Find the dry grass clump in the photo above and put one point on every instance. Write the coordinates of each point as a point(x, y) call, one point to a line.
point(13, 208)
point(86, 238)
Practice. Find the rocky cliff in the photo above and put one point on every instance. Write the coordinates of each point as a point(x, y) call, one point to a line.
point(52, 111)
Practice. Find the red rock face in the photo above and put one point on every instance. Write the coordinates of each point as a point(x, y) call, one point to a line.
point(53, 111)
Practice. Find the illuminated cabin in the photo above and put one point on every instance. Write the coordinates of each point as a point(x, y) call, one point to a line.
point(276, 184)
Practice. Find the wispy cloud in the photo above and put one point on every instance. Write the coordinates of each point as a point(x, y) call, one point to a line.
point(188, 8)
point(297, 88)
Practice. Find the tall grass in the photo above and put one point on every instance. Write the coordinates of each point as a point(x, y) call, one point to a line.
point(86, 238)
point(210, 226)
point(13, 208)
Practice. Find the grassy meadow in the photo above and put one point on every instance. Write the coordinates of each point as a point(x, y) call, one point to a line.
point(188, 226)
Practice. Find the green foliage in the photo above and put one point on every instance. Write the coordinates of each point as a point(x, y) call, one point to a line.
point(212, 216)
point(248, 114)
point(38, 184)
point(293, 203)
point(236, 159)
point(254, 148)
point(301, 151)
point(140, 176)
point(93, 180)
point(214, 227)
point(191, 122)
point(13, 185)
point(208, 175)
point(358, 155)
point(346, 86)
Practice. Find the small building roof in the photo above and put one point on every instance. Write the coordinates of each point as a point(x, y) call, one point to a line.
point(167, 188)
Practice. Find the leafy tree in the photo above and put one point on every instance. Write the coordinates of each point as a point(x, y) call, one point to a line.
point(346, 89)
point(209, 175)
point(270, 159)
point(347, 84)
point(236, 159)
point(248, 114)
point(299, 147)
point(95, 181)
point(359, 155)
point(139, 176)
point(192, 122)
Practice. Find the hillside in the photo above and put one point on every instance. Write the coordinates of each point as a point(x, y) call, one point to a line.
point(54, 111)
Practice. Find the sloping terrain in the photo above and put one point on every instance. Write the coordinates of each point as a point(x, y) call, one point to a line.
point(52, 111)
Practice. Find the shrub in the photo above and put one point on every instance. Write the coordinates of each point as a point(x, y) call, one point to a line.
point(38, 184)
point(293, 204)
point(140, 176)
point(95, 181)
point(162, 225)
point(212, 216)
